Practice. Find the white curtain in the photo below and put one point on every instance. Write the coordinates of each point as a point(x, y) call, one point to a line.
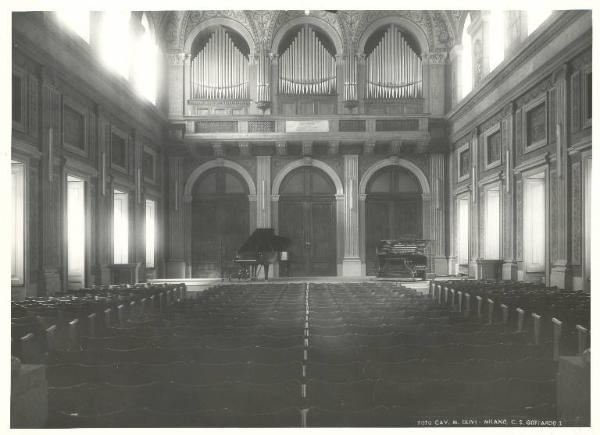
point(492, 224)
point(463, 231)
point(534, 224)
point(121, 227)
point(150, 232)
point(75, 232)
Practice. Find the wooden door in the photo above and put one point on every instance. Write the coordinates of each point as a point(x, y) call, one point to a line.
point(310, 226)
point(220, 222)
point(307, 217)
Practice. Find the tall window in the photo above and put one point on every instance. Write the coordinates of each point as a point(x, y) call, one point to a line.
point(463, 231)
point(534, 223)
point(146, 62)
point(496, 38)
point(115, 41)
point(75, 233)
point(17, 223)
point(492, 223)
point(150, 233)
point(120, 227)
point(76, 21)
point(535, 17)
point(466, 66)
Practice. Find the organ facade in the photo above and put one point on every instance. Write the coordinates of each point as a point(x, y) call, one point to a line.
point(337, 129)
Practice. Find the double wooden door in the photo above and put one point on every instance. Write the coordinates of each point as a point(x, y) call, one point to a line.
point(310, 225)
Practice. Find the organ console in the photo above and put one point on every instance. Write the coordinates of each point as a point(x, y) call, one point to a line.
point(219, 71)
point(263, 247)
point(306, 67)
point(410, 253)
point(394, 70)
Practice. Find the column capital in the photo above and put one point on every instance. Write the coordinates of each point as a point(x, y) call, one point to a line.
point(244, 148)
point(369, 147)
point(281, 148)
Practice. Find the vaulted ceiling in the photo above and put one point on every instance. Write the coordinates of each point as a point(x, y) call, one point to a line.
point(440, 27)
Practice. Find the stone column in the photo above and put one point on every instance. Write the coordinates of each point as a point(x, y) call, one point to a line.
point(438, 233)
point(509, 268)
point(560, 273)
point(263, 191)
point(178, 216)
point(351, 264)
point(175, 75)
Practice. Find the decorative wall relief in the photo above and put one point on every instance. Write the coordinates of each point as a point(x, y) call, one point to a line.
point(575, 101)
point(32, 89)
point(554, 230)
point(519, 214)
point(576, 213)
point(552, 114)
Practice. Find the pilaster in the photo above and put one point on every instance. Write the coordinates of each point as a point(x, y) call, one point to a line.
point(437, 222)
point(560, 270)
point(263, 194)
point(351, 262)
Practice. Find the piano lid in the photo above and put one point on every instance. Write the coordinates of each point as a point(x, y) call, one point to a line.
point(264, 240)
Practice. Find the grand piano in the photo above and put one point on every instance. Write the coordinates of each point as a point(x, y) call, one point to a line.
point(410, 254)
point(262, 248)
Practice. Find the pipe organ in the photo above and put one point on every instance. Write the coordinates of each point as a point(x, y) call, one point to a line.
point(263, 79)
point(394, 70)
point(306, 67)
point(219, 70)
point(350, 79)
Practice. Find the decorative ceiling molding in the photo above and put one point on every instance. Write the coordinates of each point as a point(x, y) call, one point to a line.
point(442, 28)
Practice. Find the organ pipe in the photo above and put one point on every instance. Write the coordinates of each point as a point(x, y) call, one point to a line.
point(394, 70)
point(306, 67)
point(219, 70)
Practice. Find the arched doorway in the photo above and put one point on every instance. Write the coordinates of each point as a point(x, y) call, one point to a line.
point(393, 210)
point(307, 216)
point(220, 221)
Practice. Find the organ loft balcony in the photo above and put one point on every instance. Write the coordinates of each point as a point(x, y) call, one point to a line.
point(365, 133)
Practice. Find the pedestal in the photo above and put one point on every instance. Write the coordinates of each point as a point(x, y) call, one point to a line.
point(489, 269)
point(509, 271)
point(175, 269)
point(440, 266)
point(351, 267)
point(560, 276)
point(127, 273)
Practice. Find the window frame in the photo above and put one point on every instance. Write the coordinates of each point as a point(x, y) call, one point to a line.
point(81, 110)
point(148, 149)
point(542, 99)
point(585, 72)
point(120, 133)
point(465, 147)
point(486, 136)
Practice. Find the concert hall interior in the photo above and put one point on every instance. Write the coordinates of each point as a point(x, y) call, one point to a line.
point(301, 218)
